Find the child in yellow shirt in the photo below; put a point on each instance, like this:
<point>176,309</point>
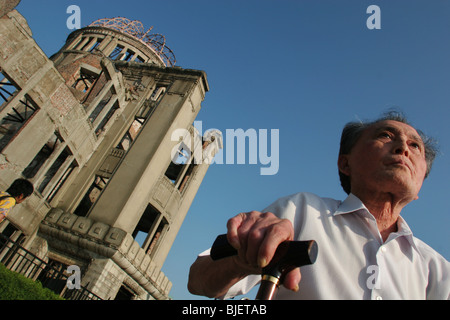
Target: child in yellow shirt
<point>19,190</point>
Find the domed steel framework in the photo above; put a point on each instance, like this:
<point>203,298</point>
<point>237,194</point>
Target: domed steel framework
<point>135,28</point>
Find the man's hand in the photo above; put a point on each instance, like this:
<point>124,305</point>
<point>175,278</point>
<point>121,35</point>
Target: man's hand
<point>256,236</point>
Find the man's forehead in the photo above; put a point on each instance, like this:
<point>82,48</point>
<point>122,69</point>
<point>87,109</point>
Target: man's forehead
<point>396,126</point>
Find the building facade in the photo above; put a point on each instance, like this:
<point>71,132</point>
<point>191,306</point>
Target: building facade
<point>104,131</point>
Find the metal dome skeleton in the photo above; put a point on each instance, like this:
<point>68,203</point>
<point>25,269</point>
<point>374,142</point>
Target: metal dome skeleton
<point>135,28</point>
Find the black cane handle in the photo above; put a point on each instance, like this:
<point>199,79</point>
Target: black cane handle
<point>288,256</point>
<point>295,253</point>
<point>222,248</point>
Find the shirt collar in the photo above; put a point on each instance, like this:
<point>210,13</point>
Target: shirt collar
<point>404,230</point>
<point>350,204</point>
<point>353,204</point>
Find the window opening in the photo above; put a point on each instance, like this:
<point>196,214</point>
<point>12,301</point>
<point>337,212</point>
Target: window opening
<point>18,116</point>
<point>105,120</point>
<point>157,237</point>
<point>130,135</point>
<point>129,54</point>
<point>87,41</point>
<point>52,165</point>
<point>124,293</point>
<point>186,177</point>
<point>91,196</point>
<point>66,174</point>
<point>181,168</point>
<point>139,59</point>
<point>96,45</point>
<point>7,89</point>
<point>76,44</point>
<point>116,52</point>
<point>85,80</point>
<point>57,164</point>
<point>158,93</point>
<point>150,229</point>
<point>99,108</point>
<point>9,230</point>
<point>43,155</point>
<point>22,112</point>
<point>177,164</point>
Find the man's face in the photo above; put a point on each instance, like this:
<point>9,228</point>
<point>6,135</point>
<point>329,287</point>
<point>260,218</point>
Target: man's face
<point>388,157</point>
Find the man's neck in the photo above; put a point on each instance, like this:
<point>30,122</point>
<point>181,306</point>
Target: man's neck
<point>386,209</point>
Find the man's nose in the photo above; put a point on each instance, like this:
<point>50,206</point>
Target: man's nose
<point>401,147</point>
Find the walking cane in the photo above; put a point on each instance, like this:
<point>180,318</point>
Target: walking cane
<point>288,256</point>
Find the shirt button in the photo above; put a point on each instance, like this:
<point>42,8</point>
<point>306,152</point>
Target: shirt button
<point>383,249</point>
<point>379,298</point>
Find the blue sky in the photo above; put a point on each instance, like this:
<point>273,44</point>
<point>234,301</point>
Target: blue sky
<point>305,68</point>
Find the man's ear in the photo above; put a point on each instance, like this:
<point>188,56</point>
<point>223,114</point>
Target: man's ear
<point>343,164</point>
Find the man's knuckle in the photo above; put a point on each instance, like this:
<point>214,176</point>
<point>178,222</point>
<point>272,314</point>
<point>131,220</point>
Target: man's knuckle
<point>268,214</point>
<point>283,227</point>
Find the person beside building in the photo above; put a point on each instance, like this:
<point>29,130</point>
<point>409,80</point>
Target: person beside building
<point>19,190</point>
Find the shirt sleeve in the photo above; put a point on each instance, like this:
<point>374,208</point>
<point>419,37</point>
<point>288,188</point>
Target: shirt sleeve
<point>6,205</point>
<point>242,287</point>
<point>239,288</point>
<point>438,276</point>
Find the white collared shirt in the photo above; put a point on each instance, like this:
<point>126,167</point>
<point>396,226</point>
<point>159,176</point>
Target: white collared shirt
<point>353,262</point>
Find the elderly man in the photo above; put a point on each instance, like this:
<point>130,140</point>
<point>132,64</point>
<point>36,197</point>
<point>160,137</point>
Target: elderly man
<point>366,249</point>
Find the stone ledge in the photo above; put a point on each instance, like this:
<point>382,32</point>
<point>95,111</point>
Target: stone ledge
<point>113,243</point>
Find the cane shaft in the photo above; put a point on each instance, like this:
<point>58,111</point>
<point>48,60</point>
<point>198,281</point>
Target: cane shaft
<point>268,288</point>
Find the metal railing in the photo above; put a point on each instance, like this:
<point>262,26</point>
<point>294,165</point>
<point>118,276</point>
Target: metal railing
<point>18,259</point>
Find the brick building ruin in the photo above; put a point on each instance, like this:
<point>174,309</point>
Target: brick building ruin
<point>91,127</point>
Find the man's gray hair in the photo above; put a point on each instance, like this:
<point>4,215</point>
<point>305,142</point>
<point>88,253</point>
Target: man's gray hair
<point>353,131</point>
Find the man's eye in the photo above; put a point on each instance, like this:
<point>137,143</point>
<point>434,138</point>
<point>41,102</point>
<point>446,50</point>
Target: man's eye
<point>415,145</point>
<point>385,135</point>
